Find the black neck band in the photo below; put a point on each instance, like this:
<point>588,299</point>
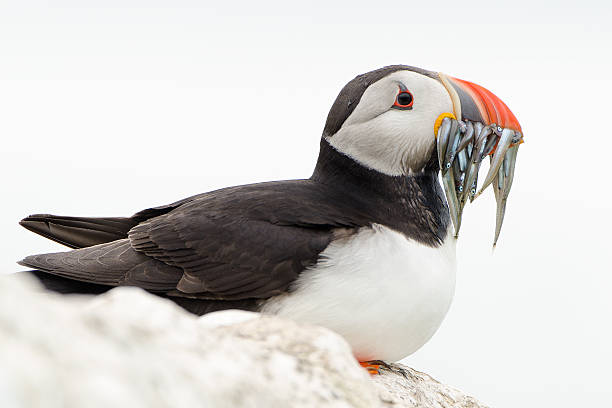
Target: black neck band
<point>413,205</point>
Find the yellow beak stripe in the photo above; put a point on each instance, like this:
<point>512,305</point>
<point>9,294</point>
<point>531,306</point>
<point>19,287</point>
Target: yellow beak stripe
<point>439,122</point>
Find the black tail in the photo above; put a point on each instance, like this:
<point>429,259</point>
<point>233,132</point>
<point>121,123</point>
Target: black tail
<point>79,232</point>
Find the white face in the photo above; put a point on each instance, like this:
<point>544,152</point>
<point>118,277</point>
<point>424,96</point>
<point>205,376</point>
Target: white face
<point>391,140</point>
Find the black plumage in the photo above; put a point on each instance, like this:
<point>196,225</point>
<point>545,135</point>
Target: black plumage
<point>78,232</point>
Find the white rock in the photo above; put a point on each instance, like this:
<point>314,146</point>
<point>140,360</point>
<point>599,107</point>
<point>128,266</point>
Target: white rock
<point>127,348</point>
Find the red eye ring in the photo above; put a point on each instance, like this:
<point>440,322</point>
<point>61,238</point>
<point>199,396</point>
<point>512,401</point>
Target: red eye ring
<point>403,100</point>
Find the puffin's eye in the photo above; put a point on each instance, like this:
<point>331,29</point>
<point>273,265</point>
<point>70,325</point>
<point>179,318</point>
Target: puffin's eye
<point>403,100</point>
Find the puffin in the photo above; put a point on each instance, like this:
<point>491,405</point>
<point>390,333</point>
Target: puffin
<point>364,247</point>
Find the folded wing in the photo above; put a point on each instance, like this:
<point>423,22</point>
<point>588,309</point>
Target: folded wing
<point>236,243</point>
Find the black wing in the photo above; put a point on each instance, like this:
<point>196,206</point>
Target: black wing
<point>237,243</point>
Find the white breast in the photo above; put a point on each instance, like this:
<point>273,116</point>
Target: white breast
<point>385,294</point>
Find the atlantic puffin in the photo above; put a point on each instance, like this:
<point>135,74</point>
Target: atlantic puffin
<point>364,247</point>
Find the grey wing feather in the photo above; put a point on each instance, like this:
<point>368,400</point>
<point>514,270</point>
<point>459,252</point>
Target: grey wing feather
<point>112,264</point>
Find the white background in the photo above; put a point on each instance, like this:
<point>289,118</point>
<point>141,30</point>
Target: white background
<point>109,107</point>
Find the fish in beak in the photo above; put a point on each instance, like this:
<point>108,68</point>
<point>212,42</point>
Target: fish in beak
<point>480,125</point>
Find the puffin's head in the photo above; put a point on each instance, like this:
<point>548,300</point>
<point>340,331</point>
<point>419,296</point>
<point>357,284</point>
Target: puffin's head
<point>393,119</point>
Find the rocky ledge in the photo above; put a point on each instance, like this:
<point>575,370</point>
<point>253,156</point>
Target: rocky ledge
<point>127,348</point>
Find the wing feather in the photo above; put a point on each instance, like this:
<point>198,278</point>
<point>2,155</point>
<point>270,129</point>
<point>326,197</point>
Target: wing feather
<point>244,242</point>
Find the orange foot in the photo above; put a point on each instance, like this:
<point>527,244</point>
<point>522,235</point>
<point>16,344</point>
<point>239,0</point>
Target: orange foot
<point>373,367</point>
